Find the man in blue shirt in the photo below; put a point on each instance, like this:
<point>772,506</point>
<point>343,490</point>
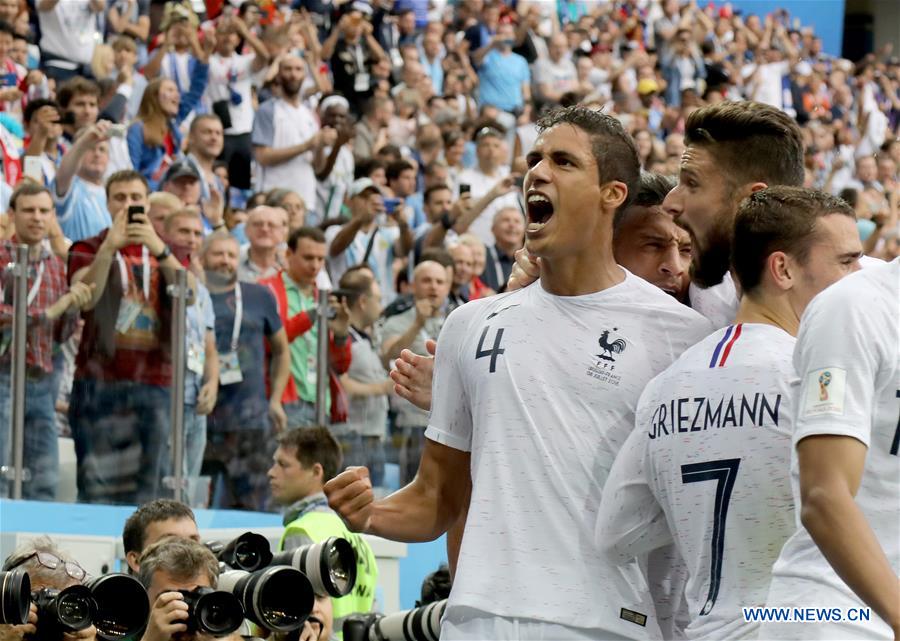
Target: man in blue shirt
<point>78,186</point>
<point>505,77</point>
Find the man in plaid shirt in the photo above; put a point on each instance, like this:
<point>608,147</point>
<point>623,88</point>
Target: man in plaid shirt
<point>52,318</point>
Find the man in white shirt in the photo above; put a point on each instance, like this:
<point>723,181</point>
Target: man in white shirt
<point>492,153</point>
<point>229,93</point>
<point>286,134</point>
<point>68,36</point>
<point>845,468</point>
<point>707,465</point>
<point>535,424</point>
<point>556,75</point>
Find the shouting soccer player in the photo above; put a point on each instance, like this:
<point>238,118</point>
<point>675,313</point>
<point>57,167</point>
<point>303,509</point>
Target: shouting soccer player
<point>537,390</point>
<point>707,465</point>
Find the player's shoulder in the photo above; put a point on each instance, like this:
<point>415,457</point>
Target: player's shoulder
<point>482,309</point>
<point>863,295</point>
<point>663,309</point>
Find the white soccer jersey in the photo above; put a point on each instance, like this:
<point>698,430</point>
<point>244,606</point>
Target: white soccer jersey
<point>541,389</point>
<point>718,303</point>
<point>707,466</point>
<point>847,357</point>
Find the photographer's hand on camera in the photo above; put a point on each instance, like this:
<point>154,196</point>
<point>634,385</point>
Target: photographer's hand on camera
<point>88,634</point>
<point>17,632</point>
<point>168,616</point>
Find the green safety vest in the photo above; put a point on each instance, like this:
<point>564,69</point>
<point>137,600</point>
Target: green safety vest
<point>318,526</point>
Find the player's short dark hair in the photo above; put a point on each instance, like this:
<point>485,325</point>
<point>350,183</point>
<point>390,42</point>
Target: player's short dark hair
<point>5,27</point>
<point>134,534</point>
<point>436,586</point>
<point>312,233</point>
<point>750,141</point>
<point>613,149</point>
<point>779,218</point>
<point>314,445</point>
<point>124,176</point>
<point>396,168</point>
<point>651,192</point>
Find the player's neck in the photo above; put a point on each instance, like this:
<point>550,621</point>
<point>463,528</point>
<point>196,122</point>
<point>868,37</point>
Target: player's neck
<point>768,310</point>
<point>580,274</point>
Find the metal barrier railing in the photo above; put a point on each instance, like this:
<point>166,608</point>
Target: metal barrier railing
<point>17,473</point>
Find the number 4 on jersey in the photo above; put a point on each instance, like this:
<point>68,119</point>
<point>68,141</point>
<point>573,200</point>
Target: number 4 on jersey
<point>724,473</point>
<point>494,352</point>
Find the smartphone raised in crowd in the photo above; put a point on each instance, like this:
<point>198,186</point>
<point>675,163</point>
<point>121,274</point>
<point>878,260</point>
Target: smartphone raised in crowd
<point>391,205</point>
<point>464,189</point>
<point>133,210</point>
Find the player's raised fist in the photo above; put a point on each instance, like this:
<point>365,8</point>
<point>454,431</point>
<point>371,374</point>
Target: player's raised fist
<point>350,495</point>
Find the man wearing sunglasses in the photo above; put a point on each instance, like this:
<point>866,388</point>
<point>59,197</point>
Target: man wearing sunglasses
<point>47,567</point>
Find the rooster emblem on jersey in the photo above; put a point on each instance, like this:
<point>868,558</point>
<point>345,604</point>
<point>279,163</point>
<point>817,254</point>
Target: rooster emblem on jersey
<point>615,347</point>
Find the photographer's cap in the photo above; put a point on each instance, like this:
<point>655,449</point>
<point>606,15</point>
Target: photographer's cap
<point>361,185</point>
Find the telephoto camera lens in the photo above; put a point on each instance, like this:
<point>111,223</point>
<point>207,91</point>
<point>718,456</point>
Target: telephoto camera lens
<point>419,624</point>
<point>211,611</point>
<point>278,598</point>
<point>61,611</point>
<point>329,565</point>
<point>15,597</point>
<point>249,552</point>
<point>123,606</point>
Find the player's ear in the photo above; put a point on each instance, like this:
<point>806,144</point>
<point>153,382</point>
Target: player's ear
<point>781,270</point>
<point>613,194</point>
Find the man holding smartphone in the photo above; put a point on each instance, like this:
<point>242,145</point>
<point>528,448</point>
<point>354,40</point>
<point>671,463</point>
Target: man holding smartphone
<point>365,239</point>
<point>123,369</point>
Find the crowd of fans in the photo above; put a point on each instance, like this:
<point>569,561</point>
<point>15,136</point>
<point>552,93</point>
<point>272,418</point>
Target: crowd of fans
<point>274,148</point>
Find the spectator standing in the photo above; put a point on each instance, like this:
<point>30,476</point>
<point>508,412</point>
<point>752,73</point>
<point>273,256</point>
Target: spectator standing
<point>371,130</point>
<point>78,188</point>
<point>68,36</point>
<point>362,240</point>
<point>353,51</point>
<point>229,93</point>
<point>366,382</point>
<point>410,330</point>
<point>154,138</point>
<point>206,140</point>
<point>129,18</point>
<point>52,317</point>
<point>555,75</point>
<point>492,154</point>
<point>266,230</point>
<point>509,235</point>
<point>296,294</point>
<point>184,232</point>
<point>286,135</point>
<point>241,425</point>
<point>682,66</point>
<point>463,272</point>
<point>120,393</point>
<point>44,137</point>
<point>334,163</point>
<point>505,80</point>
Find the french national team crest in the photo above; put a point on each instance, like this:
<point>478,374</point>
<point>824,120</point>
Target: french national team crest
<point>610,346</point>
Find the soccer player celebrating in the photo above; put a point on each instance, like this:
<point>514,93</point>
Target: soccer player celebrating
<point>707,464</point>
<point>537,390</point>
<point>846,463</point>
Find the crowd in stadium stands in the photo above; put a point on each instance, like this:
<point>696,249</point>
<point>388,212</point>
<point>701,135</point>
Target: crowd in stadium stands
<point>273,148</point>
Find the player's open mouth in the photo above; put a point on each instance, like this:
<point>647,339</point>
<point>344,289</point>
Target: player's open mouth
<point>540,211</point>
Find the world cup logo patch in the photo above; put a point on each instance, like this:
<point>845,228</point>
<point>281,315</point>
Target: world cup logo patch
<point>824,382</point>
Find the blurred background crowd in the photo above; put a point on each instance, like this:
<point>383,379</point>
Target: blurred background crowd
<point>277,147</point>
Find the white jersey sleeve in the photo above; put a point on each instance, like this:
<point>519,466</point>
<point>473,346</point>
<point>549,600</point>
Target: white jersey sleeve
<point>451,413</point>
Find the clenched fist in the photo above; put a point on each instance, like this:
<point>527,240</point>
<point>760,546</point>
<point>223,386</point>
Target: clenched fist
<point>350,495</point>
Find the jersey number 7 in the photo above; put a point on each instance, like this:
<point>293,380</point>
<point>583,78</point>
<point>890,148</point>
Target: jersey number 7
<point>724,473</point>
